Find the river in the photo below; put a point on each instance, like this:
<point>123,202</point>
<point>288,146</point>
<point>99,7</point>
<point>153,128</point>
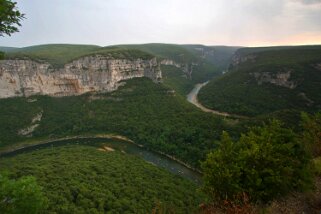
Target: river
<point>192,98</point>
<point>128,147</point>
<point>121,146</point>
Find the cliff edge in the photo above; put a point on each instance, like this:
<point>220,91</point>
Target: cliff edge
<point>26,77</point>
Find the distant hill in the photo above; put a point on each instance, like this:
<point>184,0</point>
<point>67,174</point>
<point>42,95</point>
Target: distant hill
<point>60,54</point>
<point>219,55</point>
<point>199,63</point>
<point>268,80</point>
<point>7,49</point>
<point>166,51</point>
<point>178,53</point>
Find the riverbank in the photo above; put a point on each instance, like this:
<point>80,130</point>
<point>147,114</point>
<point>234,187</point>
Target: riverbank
<point>33,143</point>
<point>192,98</point>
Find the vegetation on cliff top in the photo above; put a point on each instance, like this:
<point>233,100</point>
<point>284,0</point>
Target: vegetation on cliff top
<point>60,54</point>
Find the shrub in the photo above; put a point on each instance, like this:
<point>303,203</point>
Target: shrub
<point>20,196</point>
<point>311,134</point>
<point>1,55</point>
<point>265,163</point>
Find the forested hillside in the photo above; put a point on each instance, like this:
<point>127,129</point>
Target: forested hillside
<point>268,80</point>
<point>148,113</point>
<point>82,179</point>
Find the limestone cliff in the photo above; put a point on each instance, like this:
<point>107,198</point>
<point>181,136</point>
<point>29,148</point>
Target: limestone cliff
<point>281,78</point>
<point>91,73</point>
<point>238,59</point>
<point>187,68</point>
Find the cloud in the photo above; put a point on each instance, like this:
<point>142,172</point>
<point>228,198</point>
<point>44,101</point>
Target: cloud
<point>309,1</point>
<point>233,22</point>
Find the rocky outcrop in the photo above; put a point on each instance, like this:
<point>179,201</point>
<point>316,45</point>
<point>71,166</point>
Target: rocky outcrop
<point>318,66</point>
<point>239,59</point>
<point>170,62</point>
<point>87,74</point>
<point>34,124</point>
<point>204,52</point>
<point>281,78</point>
<point>187,68</point>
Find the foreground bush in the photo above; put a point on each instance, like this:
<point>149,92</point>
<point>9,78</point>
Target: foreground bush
<point>20,196</point>
<point>311,135</point>
<point>265,163</point>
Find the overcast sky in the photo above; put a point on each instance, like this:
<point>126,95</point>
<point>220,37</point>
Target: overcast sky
<point>210,22</point>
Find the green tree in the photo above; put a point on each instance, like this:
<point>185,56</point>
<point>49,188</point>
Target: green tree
<point>266,162</point>
<point>220,170</point>
<point>311,134</point>
<point>20,196</point>
<point>10,17</point>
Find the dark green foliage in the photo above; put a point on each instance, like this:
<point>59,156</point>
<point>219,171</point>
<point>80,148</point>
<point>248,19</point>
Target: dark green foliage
<point>264,163</point>
<point>1,55</point>
<point>311,135</point>
<point>20,196</point>
<point>221,171</point>
<point>238,91</point>
<point>18,114</point>
<point>81,179</point>
<point>10,17</point>
<point>204,71</point>
<point>146,112</point>
<point>176,79</point>
<point>317,166</point>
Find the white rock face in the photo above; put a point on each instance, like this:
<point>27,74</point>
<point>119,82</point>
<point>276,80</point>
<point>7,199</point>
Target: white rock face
<point>170,62</point>
<point>186,68</point>
<point>239,59</point>
<point>318,66</point>
<point>279,78</point>
<point>91,73</point>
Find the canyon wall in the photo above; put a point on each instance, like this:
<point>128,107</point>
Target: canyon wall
<point>88,74</point>
<point>187,68</point>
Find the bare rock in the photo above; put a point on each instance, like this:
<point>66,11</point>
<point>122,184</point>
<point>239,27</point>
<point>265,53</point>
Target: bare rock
<point>281,78</point>
<point>91,73</point>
